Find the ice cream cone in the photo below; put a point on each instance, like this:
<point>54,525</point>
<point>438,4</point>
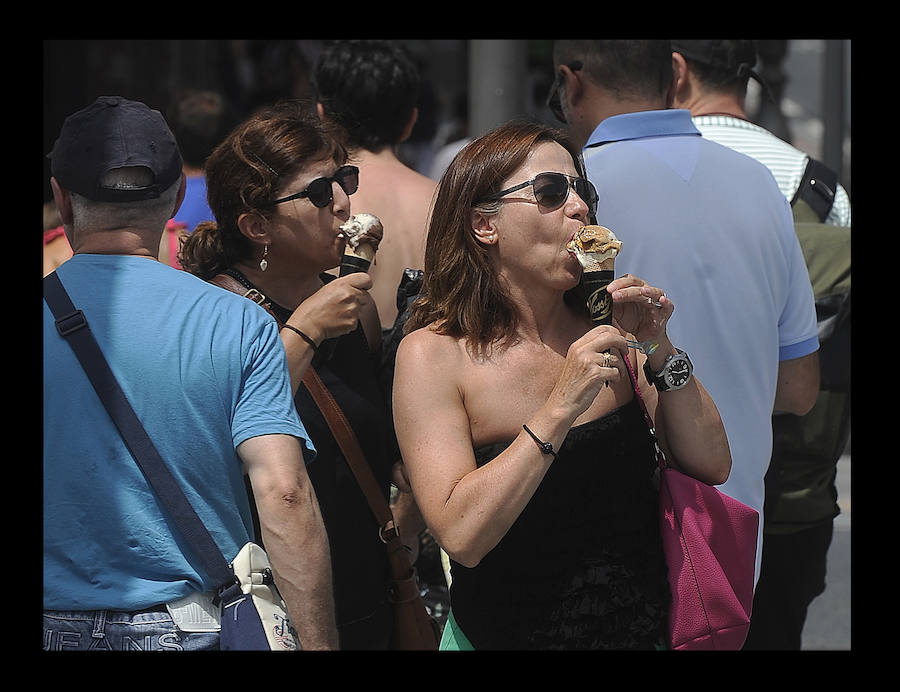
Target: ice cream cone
<point>357,259</point>
<point>596,248</point>
<point>599,300</point>
<point>363,232</point>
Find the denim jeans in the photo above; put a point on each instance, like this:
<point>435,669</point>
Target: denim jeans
<point>107,630</point>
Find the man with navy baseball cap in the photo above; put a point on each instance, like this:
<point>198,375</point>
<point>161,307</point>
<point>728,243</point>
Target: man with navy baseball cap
<point>111,133</point>
<point>205,372</point>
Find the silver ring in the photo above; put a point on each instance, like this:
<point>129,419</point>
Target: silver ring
<point>606,357</point>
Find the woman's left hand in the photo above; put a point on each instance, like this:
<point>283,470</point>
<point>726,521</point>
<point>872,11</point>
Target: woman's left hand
<point>634,309</point>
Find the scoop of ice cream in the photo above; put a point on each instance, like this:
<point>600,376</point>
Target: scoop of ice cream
<point>362,227</point>
<point>593,245</point>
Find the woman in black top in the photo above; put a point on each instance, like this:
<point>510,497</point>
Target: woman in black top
<point>280,188</point>
<point>534,476</point>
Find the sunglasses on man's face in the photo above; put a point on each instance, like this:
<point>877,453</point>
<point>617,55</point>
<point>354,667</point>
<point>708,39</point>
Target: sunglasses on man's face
<point>551,190</point>
<point>319,191</point>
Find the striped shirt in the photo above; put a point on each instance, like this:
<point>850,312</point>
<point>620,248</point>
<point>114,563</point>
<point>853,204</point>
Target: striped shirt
<point>786,162</point>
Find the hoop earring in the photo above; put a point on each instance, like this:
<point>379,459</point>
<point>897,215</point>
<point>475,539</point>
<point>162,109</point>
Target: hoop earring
<point>263,263</point>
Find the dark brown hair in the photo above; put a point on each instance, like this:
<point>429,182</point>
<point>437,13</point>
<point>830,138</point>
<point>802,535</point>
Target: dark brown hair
<point>628,68</point>
<point>244,173</point>
<point>462,294</point>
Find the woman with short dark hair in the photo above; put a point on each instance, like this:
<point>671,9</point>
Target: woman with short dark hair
<point>280,187</point>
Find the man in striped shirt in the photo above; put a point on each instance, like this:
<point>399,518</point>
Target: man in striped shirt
<point>711,82</point>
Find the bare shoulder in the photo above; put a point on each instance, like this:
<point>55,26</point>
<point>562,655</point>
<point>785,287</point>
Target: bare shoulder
<point>424,346</point>
<point>428,361</point>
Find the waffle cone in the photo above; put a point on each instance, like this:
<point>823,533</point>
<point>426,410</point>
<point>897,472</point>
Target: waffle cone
<point>357,259</point>
<point>363,251</point>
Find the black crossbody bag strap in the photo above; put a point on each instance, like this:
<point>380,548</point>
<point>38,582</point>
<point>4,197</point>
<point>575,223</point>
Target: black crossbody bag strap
<point>73,327</point>
<point>817,188</point>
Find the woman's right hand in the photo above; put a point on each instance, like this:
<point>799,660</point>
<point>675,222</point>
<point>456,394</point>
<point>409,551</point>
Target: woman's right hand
<point>333,310</point>
<point>591,361</point>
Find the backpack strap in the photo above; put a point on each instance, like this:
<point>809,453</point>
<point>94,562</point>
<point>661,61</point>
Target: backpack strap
<point>817,188</point>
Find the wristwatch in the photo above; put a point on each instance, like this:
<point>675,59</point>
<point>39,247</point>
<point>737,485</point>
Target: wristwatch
<point>676,372</point>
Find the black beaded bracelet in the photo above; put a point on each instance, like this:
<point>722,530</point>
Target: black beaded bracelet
<point>546,447</point>
<point>303,336</point>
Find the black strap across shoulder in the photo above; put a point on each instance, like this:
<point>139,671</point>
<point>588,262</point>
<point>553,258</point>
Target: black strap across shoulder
<point>817,188</point>
<point>73,327</point>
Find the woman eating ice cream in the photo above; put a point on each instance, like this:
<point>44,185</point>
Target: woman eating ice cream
<point>534,477</point>
<point>280,189</point>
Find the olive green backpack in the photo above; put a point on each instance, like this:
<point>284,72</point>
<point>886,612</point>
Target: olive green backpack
<point>800,488</point>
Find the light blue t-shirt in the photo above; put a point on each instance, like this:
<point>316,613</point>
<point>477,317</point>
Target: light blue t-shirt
<point>711,228</point>
<point>204,370</point>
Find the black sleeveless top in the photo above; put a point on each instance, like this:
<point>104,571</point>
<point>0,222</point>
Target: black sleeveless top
<point>360,569</point>
<point>582,567</point>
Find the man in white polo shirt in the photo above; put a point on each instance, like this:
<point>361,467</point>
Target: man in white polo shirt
<point>710,227</point>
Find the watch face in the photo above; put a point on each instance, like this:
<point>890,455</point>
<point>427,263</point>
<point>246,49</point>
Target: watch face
<point>678,372</point>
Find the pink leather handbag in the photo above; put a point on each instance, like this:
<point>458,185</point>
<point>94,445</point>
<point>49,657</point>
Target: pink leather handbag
<point>709,540</point>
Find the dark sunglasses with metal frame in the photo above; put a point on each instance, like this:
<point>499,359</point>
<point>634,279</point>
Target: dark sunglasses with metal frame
<point>551,190</point>
<point>319,191</point>
<point>553,100</point>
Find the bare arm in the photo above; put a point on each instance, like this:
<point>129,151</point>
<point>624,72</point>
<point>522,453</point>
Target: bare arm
<point>470,508</point>
<point>798,384</point>
<point>687,421</point>
<point>294,535</point>
<point>688,426</point>
<point>333,310</point>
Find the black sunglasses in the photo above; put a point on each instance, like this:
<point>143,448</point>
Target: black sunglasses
<point>551,190</point>
<point>319,190</point>
<point>553,100</point>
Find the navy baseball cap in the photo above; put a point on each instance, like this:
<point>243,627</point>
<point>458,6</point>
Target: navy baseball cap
<point>114,132</point>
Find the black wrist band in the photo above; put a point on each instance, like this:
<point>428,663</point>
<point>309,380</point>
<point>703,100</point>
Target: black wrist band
<point>546,447</point>
<point>303,336</point>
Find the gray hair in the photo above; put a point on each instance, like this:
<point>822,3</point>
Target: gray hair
<point>149,213</point>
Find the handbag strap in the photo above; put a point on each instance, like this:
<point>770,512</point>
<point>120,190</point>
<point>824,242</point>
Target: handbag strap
<point>230,283</point>
<point>334,417</point>
<point>73,327</point>
<point>660,455</point>
<point>350,447</point>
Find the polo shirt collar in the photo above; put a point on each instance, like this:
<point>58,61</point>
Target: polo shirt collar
<point>659,123</point>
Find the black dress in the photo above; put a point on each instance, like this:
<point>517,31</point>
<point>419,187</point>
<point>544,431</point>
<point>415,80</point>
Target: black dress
<point>360,569</point>
<point>582,567</point>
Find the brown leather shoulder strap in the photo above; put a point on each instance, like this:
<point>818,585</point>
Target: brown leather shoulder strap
<point>229,283</point>
<point>349,445</point>
<point>334,416</point>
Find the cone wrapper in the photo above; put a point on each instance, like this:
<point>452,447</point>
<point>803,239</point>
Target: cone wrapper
<point>599,300</point>
<point>357,259</point>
